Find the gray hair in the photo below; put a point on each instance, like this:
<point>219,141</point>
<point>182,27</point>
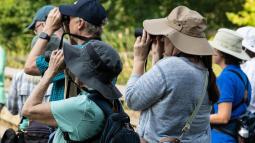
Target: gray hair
<point>94,30</point>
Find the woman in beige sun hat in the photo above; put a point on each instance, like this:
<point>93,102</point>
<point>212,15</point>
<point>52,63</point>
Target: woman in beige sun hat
<point>233,84</point>
<point>168,93</point>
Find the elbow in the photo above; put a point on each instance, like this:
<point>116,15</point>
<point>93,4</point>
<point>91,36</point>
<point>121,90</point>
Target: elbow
<point>31,70</point>
<point>220,119</point>
<point>132,104</point>
<point>225,120</point>
<point>28,69</point>
<point>26,112</point>
<point>133,98</point>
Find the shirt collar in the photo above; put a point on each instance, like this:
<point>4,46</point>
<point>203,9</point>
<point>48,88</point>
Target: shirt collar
<point>232,67</point>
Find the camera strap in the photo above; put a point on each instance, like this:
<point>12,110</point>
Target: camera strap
<point>188,123</point>
<point>71,89</point>
<point>76,36</point>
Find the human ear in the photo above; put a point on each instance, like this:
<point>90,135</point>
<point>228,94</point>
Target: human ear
<point>82,24</point>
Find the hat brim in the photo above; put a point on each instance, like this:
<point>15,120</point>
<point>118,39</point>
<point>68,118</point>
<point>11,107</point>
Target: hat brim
<point>74,61</point>
<point>242,55</point>
<point>248,46</point>
<point>185,43</point>
<point>31,26</point>
<point>67,10</point>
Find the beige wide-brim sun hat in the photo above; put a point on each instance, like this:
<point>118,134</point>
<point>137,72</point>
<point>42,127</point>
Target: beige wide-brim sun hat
<point>184,28</point>
<point>229,42</point>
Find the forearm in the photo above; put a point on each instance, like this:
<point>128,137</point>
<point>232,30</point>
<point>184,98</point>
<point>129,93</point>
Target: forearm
<point>143,91</point>
<point>223,115</point>
<point>138,67</point>
<point>155,59</point>
<point>34,109</point>
<point>217,119</point>
<point>37,50</point>
<point>38,93</point>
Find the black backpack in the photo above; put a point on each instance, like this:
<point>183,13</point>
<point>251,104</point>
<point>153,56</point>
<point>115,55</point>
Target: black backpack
<point>35,133</point>
<point>246,123</point>
<point>117,127</point>
<point>9,136</point>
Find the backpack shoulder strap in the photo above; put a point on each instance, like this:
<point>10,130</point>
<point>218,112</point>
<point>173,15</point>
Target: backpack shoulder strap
<point>246,84</point>
<point>105,105</point>
<point>241,78</point>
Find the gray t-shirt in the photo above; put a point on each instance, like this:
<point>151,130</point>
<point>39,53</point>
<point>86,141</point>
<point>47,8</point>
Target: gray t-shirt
<point>166,95</point>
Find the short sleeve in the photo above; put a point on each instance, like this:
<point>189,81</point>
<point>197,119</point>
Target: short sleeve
<point>41,64</point>
<point>78,116</point>
<point>226,87</point>
<point>58,77</point>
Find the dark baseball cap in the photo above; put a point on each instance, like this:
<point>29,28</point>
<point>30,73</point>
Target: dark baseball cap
<point>95,65</point>
<point>89,10</point>
<point>41,15</point>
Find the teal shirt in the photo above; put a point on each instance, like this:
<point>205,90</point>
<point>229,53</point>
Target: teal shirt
<point>79,116</point>
<point>2,65</point>
<point>57,92</point>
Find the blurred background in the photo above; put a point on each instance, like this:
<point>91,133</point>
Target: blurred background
<point>124,17</point>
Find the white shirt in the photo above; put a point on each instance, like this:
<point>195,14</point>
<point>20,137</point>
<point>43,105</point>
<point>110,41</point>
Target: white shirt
<point>22,86</point>
<point>249,69</point>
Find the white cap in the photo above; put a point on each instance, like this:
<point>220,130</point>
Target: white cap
<point>248,34</point>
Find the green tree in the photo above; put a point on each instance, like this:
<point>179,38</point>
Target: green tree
<point>245,16</point>
<point>123,17</point>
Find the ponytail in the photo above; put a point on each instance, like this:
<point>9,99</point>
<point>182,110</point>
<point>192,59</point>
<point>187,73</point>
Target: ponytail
<point>213,91</point>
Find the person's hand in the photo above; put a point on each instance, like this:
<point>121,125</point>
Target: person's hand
<point>53,22</point>
<point>157,49</point>
<point>142,47</point>
<point>56,63</point>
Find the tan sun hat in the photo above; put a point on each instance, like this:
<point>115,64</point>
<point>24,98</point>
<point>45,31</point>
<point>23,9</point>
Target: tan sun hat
<point>185,29</point>
<point>229,42</point>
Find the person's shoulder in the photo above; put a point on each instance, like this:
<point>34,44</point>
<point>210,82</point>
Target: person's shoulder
<point>80,101</point>
<point>170,61</point>
<point>173,64</point>
<point>230,75</point>
<point>18,75</point>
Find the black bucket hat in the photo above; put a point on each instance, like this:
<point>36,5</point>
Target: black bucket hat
<point>96,65</point>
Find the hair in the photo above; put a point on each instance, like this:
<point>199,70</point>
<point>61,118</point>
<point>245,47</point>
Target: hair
<point>230,60</point>
<point>249,52</point>
<point>94,30</point>
<point>212,89</point>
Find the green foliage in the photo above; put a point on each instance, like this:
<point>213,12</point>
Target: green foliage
<point>124,16</point>
<point>246,16</point>
<point>131,13</point>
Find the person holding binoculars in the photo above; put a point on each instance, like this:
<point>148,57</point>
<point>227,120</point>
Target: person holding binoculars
<point>79,117</point>
<point>84,19</point>
<point>176,94</point>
